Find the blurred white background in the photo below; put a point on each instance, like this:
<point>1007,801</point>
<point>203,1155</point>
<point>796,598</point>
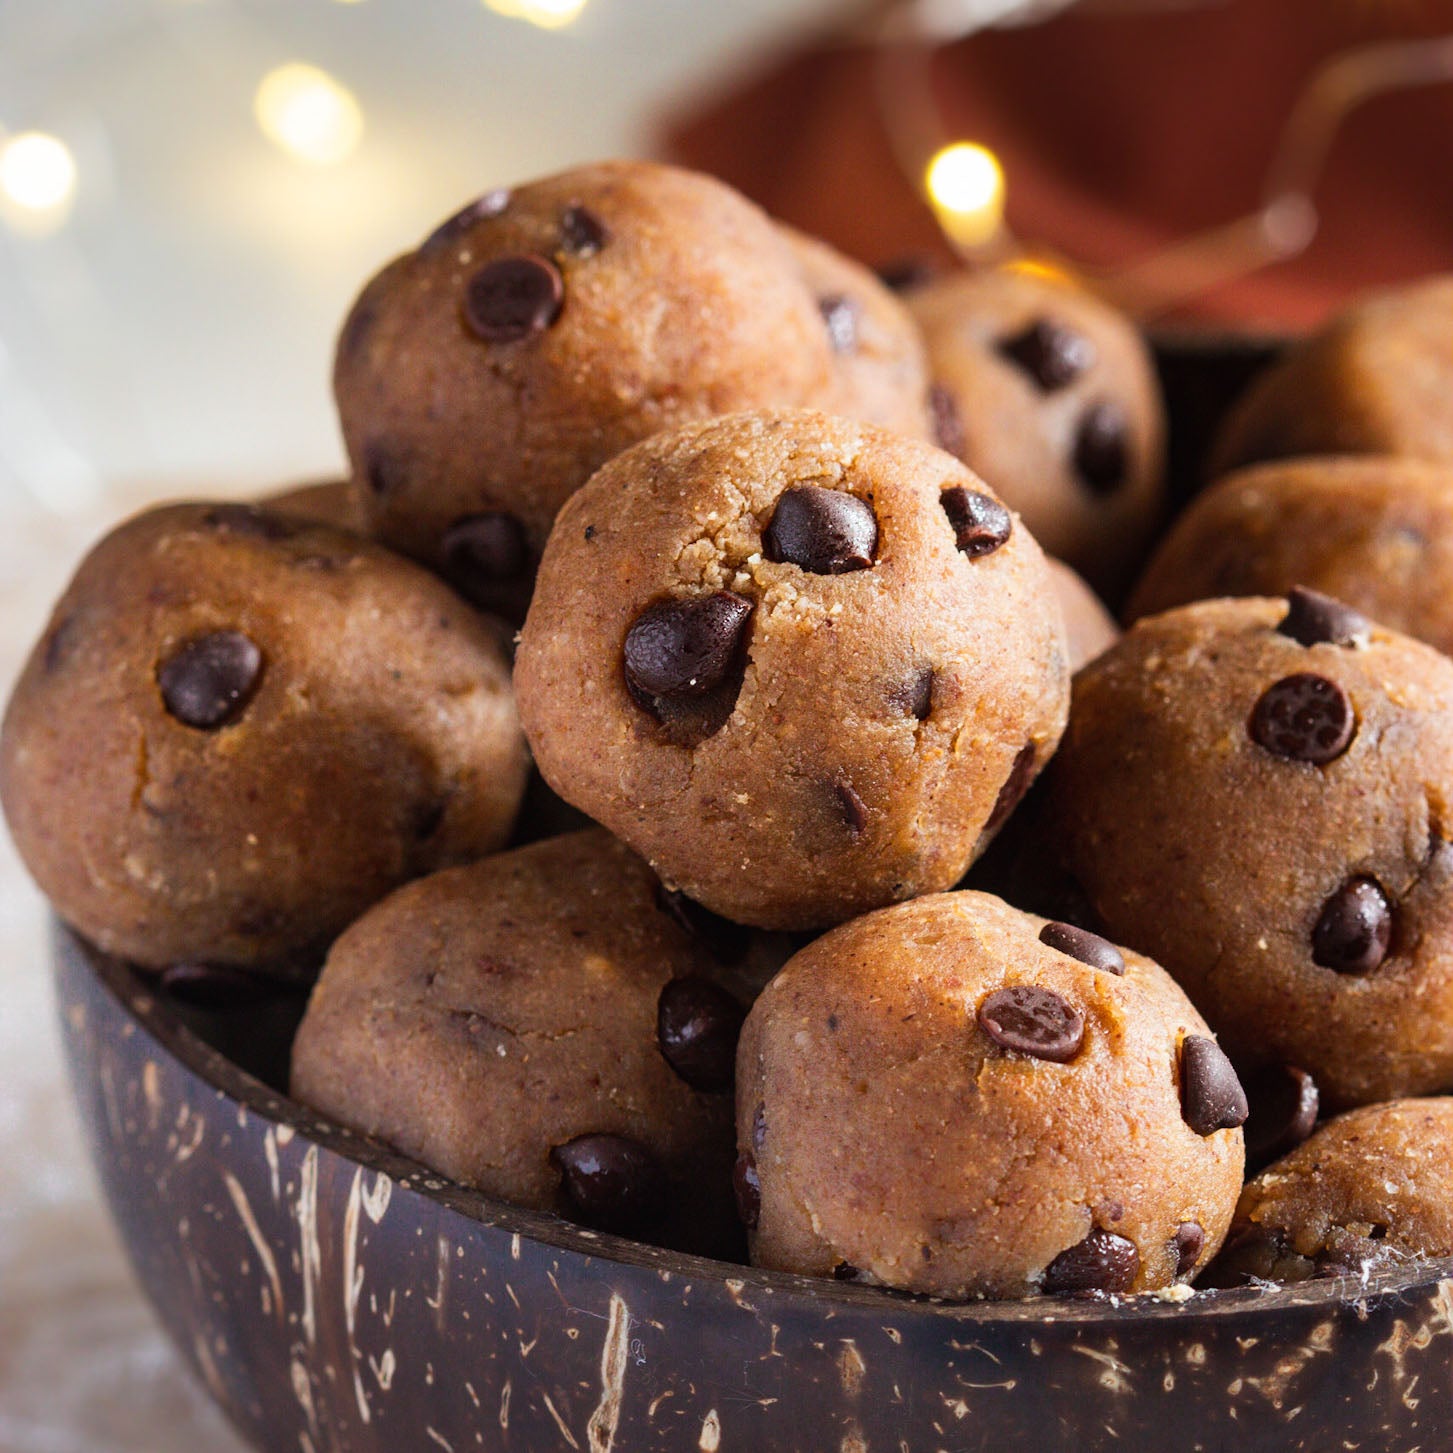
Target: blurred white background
<point>177,250</point>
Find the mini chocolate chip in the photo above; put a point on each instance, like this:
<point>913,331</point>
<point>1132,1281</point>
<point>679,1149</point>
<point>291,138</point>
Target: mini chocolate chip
<point>841,316</point>
<point>853,809</point>
<point>822,531</point>
<point>512,297</point>
<point>483,552</point>
<point>1016,784</point>
<point>1211,1096</point>
<point>1033,1021</point>
<point>1052,354</point>
<point>612,1182</point>
<point>1354,929</point>
<point>759,1129</point>
<point>1102,452</point>
<point>724,940</point>
<point>58,643</point>
<point>381,470</point>
<point>903,274</point>
<point>980,523</point>
<point>1305,717</point>
<point>914,696</point>
<point>845,1271</point>
<point>948,424</point>
<point>1314,619</point>
<point>217,986</point>
<point>491,204</point>
<point>748,1188</point>
<point>590,532</point>
<point>686,646</point>
<point>1088,948</point>
<point>1187,1244</point>
<point>1102,1262</point>
<point>1284,1104</point>
<point>697,1026</point>
<point>582,232</point>
<point>209,681</point>
<point>249,520</point>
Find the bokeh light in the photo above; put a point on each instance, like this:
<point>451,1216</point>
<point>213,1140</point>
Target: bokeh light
<point>308,114</point>
<point>965,184</point>
<point>547,14</point>
<point>37,172</point>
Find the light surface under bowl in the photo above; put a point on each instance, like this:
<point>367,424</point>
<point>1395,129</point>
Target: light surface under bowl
<point>335,1296</point>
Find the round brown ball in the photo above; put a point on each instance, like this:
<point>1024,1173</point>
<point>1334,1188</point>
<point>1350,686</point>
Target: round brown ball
<point>839,741</point>
<point>1089,627</point>
<point>239,731</point>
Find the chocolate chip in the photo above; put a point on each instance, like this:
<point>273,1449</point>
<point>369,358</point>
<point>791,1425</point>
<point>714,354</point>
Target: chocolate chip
<point>612,1182</point>
<point>980,523</point>
<point>1314,619</point>
<point>903,274</point>
<point>748,1189</point>
<point>759,1129</point>
<point>1102,452</point>
<point>914,696</point>
<point>948,424</point>
<point>491,204</point>
<point>483,553</point>
<point>1016,784</point>
<point>846,1271</point>
<point>1033,1021</point>
<point>1211,1096</point>
<point>725,941</point>
<point>697,1025</point>
<point>1187,1244</point>
<point>841,316</point>
<point>381,470</point>
<point>1354,929</point>
<point>1088,948</point>
<point>852,809</point>
<point>1102,1262</point>
<point>822,531</point>
<point>58,643</point>
<point>582,232</point>
<point>512,297</point>
<point>428,817</point>
<point>217,986</point>
<point>249,520</point>
<point>1052,354</point>
<point>1284,1104</point>
<point>209,681</point>
<point>1304,717</point>
<point>686,646</point>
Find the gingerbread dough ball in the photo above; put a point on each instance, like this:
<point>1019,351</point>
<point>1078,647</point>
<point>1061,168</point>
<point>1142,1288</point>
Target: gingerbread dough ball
<point>1256,793</point>
<point>954,1097</point>
<point>1374,532</point>
<point>1051,396</point>
<point>802,665</point>
<point>1378,379</point>
<point>1089,627</point>
<point>239,731</point>
<point>554,1029</point>
<point>482,378</point>
<point>1370,1189</point>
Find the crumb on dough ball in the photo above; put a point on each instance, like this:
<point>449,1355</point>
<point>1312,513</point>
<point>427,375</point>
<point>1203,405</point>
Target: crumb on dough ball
<point>956,1098</point>
<point>805,667</point>
<point>240,730</point>
<point>557,1030</point>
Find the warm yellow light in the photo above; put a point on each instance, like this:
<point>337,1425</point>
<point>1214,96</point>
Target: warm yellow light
<point>308,114</point>
<point>37,172</point>
<point>966,186</point>
<point>547,14</point>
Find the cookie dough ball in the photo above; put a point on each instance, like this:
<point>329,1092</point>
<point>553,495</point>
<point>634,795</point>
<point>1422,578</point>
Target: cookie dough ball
<point>1370,1189</point>
<point>1374,532</point>
<point>1256,793</point>
<point>1089,627</point>
<point>239,731</point>
<point>326,502</point>
<point>482,378</point>
<point>802,665</point>
<point>956,1098</point>
<point>881,364</point>
<point>1376,380</point>
<point>557,1031</point>
<point>1051,396</point>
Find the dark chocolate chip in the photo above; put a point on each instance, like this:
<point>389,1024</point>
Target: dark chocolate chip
<point>1016,784</point>
<point>1088,948</point>
<point>1033,1021</point>
<point>903,274</point>
<point>686,646</point>
<point>822,531</point>
<point>852,808</point>
<point>428,817</point>
<point>748,1188</point>
<point>914,696</point>
<point>1052,354</point>
<point>381,470</point>
<point>611,1182</point>
<point>582,232</point>
<point>1354,929</point>
<point>484,552</point>
<point>58,643</point>
<point>726,941</point>
<point>1102,1262</point>
<point>1102,450</point>
<point>948,424</point>
<point>249,520</point>
<point>846,1271</point>
<point>1284,1104</point>
<point>217,986</point>
<point>697,1026</point>
<point>1314,619</point>
<point>1187,1244</point>
<point>513,297</point>
<point>491,204</point>
<point>841,316</point>
<point>980,523</point>
<point>759,1129</point>
<point>209,681</point>
<point>1305,717</point>
<point>1211,1096</point>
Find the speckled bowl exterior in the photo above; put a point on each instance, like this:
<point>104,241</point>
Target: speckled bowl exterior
<point>336,1298</point>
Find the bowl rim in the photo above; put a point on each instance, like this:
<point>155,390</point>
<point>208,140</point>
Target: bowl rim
<point>144,1006</point>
